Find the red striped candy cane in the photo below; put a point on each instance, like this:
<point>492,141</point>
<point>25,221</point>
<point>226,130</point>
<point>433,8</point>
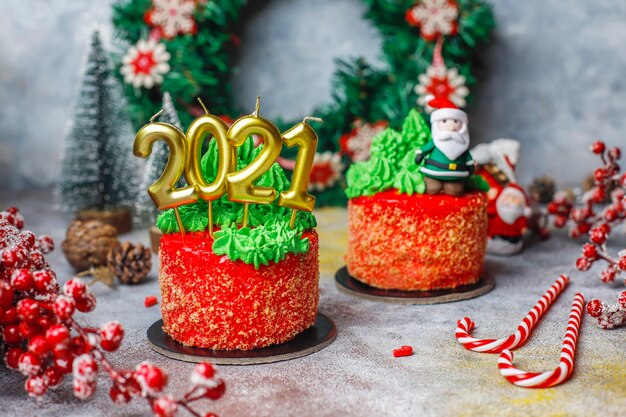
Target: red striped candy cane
<point>566,364</point>
<point>524,329</point>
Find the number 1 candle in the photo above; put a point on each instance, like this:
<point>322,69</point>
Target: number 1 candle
<point>296,197</point>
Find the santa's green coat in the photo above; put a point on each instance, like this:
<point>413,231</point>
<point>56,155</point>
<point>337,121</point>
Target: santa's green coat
<point>438,166</point>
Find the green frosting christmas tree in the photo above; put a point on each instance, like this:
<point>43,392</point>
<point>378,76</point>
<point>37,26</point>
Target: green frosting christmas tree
<point>98,168</point>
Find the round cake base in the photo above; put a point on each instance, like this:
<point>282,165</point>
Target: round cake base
<point>347,284</point>
<point>312,340</point>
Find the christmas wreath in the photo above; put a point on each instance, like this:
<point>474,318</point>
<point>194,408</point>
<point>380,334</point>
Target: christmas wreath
<point>186,48</point>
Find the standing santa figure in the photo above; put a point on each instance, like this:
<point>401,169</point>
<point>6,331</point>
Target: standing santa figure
<point>508,206</point>
<point>446,160</point>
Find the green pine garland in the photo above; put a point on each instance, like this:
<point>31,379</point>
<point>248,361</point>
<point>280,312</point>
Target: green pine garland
<point>202,64</point>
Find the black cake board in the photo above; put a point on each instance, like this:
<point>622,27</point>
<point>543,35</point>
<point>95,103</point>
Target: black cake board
<point>312,340</point>
<point>347,284</point>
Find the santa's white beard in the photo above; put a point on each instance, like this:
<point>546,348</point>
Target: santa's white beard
<point>451,144</point>
<point>509,213</point>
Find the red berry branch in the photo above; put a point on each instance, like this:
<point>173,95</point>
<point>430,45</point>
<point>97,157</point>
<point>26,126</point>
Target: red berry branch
<point>598,220</point>
<point>41,338</point>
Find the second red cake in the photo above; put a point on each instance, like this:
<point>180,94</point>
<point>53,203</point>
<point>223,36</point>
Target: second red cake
<point>418,242</point>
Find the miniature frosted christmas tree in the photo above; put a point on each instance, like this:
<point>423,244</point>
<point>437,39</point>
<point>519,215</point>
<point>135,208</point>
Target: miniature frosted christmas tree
<point>145,211</point>
<point>98,168</point>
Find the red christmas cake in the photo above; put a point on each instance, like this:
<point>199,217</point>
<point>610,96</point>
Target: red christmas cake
<point>245,287</point>
<point>417,216</point>
<point>417,242</point>
<point>213,302</point>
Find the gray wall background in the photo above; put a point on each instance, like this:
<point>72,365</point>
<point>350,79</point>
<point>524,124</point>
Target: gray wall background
<point>552,78</point>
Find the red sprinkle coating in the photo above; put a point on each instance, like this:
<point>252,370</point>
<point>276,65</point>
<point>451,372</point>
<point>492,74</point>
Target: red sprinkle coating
<point>209,301</point>
<point>418,242</point>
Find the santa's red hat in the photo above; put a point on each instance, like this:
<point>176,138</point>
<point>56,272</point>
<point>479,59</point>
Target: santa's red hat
<point>445,109</point>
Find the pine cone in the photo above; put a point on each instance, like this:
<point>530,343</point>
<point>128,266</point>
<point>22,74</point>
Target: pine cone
<point>544,188</point>
<point>130,263</point>
<point>87,243</point>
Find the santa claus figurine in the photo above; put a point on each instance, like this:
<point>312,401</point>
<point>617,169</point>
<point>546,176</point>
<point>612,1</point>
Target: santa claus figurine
<point>508,205</point>
<point>446,160</point>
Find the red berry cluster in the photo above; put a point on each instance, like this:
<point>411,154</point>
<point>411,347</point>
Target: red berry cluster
<point>40,338</point>
<point>609,316</point>
<point>597,223</point>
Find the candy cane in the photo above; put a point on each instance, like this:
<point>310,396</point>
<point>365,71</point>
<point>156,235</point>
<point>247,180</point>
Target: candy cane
<point>523,330</point>
<point>566,364</point>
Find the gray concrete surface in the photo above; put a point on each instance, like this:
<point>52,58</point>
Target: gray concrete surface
<point>553,76</point>
<point>357,376</point>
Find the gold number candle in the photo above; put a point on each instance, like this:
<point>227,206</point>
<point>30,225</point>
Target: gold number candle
<point>239,185</point>
<point>296,197</point>
<point>196,133</point>
<point>163,191</point>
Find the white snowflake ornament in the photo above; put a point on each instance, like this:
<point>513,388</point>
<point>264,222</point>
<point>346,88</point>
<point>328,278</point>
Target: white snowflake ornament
<point>327,169</point>
<point>357,143</point>
<point>441,82</point>
<point>145,64</point>
<point>434,18</point>
<point>172,17</point>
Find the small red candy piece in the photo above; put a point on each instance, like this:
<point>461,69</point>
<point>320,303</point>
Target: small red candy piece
<point>403,351</point>
<point>150,301</point>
